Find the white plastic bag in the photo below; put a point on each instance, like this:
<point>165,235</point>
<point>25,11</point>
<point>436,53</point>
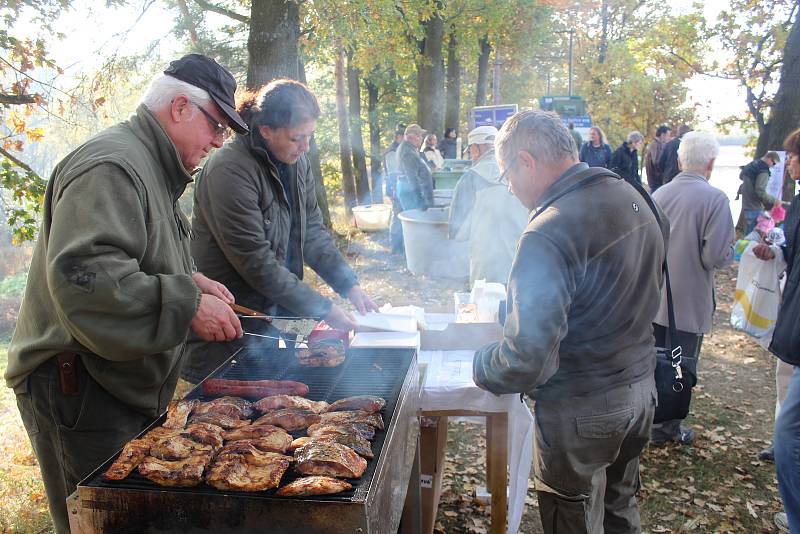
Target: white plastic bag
<point>758,295</point>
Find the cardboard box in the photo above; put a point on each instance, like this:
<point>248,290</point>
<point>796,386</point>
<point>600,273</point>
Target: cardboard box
<point>432,444</point>
<point>461,336</point>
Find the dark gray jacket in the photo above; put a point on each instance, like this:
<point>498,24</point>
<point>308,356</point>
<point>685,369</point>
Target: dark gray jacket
<point>242,222</point>
<point>416,172</point>
<point>583,291</point>
<point>786,338</point>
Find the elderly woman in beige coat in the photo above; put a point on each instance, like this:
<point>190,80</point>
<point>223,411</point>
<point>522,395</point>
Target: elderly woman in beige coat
<point>700,242</point>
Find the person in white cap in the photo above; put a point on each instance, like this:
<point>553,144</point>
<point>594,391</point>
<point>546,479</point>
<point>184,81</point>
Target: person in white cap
<point>485,213</point>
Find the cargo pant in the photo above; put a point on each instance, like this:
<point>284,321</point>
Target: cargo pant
<point>72,435</point>
<point>586,459</point>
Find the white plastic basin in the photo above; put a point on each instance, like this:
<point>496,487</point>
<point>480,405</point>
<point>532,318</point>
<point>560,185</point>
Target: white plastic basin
<point>372,218</point>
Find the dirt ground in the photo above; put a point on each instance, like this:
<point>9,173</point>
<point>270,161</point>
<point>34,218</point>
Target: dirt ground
<point>715,485</point>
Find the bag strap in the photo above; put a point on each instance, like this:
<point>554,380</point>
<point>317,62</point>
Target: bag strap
<point>594,173</point>
<point>672,331</point>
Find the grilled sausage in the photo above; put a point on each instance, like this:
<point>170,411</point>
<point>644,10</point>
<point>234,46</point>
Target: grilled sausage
<point>253,389</point>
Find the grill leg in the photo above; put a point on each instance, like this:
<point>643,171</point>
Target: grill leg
<point>411,520</point>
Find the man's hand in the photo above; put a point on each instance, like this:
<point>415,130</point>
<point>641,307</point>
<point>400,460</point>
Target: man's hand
<point>360,300</point>
<point>215,320</point>
<point>763,252</point>
<point>212,287</point>
<point>340,318</point>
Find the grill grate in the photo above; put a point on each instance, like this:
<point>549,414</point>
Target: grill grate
<point>379,372</point>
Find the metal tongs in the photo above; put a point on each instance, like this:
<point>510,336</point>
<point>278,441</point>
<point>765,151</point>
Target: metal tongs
<point>243,312</point>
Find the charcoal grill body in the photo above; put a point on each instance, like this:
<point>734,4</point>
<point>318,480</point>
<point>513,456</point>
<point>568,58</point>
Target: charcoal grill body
<point>374,505</point>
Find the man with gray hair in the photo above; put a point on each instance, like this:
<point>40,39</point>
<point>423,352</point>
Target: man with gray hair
<point>112,293</point>
<point>700,242</point>
<point>484,213</point>
<point>583,290</point>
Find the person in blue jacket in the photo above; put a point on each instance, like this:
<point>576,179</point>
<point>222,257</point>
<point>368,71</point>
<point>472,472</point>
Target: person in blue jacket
<point>596,152</point>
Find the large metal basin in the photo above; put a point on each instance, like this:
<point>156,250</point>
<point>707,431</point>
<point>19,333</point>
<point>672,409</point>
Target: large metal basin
<point>428,250</point>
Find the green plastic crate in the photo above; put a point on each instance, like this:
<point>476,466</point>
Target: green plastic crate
<point>446,179</point>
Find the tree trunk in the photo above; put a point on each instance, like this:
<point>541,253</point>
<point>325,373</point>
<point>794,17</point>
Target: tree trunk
<point>356,135</point>
<point>316,165</point>
<point>345,152</point>
<point>453,84</point>
<point>497,79</point>
<point>482,88</point>
<point>374,142</point>
<point>430,77</point>
<point>785,112</point>
<point>272,43</point>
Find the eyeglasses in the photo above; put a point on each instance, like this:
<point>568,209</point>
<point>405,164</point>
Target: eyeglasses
<point>503,178</point>
<point>217,126</point>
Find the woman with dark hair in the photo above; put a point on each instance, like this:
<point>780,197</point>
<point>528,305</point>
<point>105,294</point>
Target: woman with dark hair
<point>447,146</point>
<point>257,223</point>
<point>785,345</point>
<point>596,152</point>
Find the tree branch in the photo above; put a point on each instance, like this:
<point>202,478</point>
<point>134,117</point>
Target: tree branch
<point>208,6</point>
<point>189,22</point>
<point>16,100</point>
<point>18,163</point>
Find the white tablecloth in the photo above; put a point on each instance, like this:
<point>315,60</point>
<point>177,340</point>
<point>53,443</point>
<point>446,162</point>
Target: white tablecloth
<point>449,386</point>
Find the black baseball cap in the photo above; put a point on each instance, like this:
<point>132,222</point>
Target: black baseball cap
<point>205,73</point>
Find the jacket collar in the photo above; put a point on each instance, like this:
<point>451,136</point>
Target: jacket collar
<point>562,183</point>
<point>685,176</point>
<point>255,144</point>
<point>149,131</point>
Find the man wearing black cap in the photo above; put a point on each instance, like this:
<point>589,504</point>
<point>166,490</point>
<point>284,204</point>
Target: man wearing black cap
<point>112,293</point>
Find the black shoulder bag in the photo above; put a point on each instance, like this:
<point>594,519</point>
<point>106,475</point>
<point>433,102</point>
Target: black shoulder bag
<point>673,385</point>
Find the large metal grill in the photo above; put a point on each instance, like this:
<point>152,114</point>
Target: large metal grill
<point>374,504</point>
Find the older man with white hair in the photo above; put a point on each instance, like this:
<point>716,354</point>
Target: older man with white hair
<point>112,293</point>
<point>701,241</point>
<point>485,213</point>
<point>583,290</point>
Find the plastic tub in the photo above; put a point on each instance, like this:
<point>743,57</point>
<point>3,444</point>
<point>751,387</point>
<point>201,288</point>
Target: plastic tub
<point>372,218</point>
<point>428,250</point>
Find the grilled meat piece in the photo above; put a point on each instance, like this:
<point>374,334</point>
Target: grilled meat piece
<point>161,433</point>
<point>219,419</point>
<point>275,442</point>
<point>235,407</point>
<point>361,430</point>
<point>289,418</point>
<point>372,419</point>
<point>205,433</point>
<point>241,466</point>
<point>316,485</point>
<point>178,412</point>
<point>132,454</point>
<point>280,402</point>
<point>361,446</point>
<point>265,437</point>
<point>325,353</point>
<point>364,403</point>
<point>329,459</point>
<point>183,473</point>
<point>178,448</point>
